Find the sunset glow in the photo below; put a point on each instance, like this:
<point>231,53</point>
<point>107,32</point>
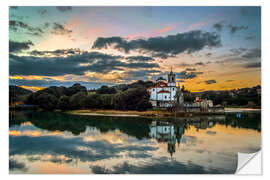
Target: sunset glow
<point>216,48</point>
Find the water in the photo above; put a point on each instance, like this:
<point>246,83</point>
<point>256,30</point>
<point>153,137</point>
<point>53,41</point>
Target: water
<point>44,142</point>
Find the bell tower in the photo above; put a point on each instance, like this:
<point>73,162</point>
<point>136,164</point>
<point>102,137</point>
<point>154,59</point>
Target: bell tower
<point>171,79</point>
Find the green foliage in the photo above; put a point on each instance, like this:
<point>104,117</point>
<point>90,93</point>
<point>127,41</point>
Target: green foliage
<point>245,97</point>
<point>93,101</point>
<point>77,101</point>
<point>188,97</point>
<point>132,99</point>
<point>47,101</point>
<point>17,94</point>
<point>63,103</point>
<point>106,90</point>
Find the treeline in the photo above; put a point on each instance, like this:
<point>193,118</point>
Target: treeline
<point>77,97</point>
<point>17,94</point>
<point>245,97</point>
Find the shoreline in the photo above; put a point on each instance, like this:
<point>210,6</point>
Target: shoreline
<point>242,110</point>
<point>154,113</point>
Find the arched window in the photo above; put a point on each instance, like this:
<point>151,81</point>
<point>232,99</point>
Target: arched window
<point>165,97</point>
<point>153,89</point>
<point>173,89</point>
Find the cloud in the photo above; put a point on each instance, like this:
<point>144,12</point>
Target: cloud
<point>142,74</point>
<point>64,8</point>
<point>252,53</point>
<point>210,81</point>
<point>42,12</point>
<point>91,83</point>
<point>189,42</point>
<point>240,54</point>
<point>253,65</point>
<point>184,64</point>
<point>235,28</point>
<point>17,47</point>
<point>59,29</point>
<point>14,25</point>
<point>219,25</point>
<point>139,58</point>
<point>77,64</point>
<point>211,132</point>
<point>187,74</point>
<point>57,53</point>
<point>68,147</point>
<point>251,37</point>
<point>190,69</point>
<point>199,64</point>
<point>15,165</point>
<point>157,166</point>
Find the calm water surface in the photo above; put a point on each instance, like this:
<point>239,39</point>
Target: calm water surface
<point>44,142</point>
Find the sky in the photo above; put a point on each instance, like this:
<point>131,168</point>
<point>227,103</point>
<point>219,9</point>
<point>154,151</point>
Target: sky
<point>208,48</point>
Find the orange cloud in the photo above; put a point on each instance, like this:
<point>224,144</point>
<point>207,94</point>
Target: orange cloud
<point>32,88</point>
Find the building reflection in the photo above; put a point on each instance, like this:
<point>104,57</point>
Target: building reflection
<point>165,132</point>
<point>172,132</point>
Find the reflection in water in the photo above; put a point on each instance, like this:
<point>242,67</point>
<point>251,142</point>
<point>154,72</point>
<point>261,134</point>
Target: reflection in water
<point>45,142</point>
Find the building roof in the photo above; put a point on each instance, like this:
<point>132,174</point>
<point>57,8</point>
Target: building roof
<point>162,84</point>
<point>164,91</point>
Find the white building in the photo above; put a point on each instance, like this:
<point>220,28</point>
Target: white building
<point>163,93</point>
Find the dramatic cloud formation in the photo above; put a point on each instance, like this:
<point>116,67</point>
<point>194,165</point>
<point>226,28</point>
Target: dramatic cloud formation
<point>74,64</point>
<point>189,42</point>
<point>212,81</point>
<point>16,47</point>
<point>59,29</point>
<point>64,8</point>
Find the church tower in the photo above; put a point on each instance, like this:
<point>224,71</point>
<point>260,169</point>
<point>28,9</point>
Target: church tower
<point>171,79</point>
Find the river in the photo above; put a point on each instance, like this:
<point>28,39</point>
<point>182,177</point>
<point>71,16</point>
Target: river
<point>58,143</point>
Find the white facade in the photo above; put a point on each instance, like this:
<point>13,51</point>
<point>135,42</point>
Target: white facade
<point>163,94</point>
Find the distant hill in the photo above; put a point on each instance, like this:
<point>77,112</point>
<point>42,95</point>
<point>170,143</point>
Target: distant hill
<point>18,90</point>
<point>250,97</point>
<point>16,93</point>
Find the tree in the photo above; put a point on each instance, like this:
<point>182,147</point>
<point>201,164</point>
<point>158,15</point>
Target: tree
<point>106,90</point>
<point>132,99</point>
<point>93,101</point>
<point>77,101</point>
<point>63,103</point>
<point>47,101</point>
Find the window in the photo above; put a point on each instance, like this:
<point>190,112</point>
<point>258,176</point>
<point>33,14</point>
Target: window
<point>153,89</point>
<point>165,97</point>
<point>173,89</point>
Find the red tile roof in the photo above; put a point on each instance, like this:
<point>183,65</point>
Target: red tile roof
<point>164,91</point>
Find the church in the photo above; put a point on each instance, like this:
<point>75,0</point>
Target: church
<point>164,92</point>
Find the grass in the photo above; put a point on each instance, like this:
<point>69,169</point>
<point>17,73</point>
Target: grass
<point>152,113</point>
